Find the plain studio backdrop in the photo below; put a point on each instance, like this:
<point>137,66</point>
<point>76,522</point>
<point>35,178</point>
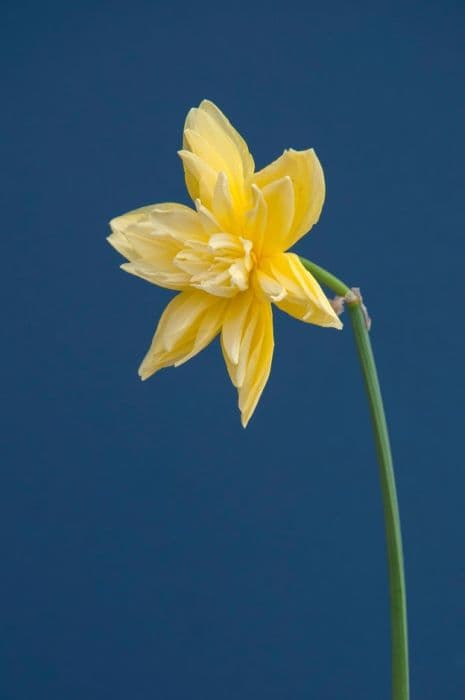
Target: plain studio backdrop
<point>151,547</point>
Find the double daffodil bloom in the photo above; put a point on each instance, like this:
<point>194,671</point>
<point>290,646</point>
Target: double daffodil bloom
<point>226,257</point>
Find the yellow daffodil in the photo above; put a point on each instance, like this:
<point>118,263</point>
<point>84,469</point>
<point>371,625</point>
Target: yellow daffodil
<point>226,257</point>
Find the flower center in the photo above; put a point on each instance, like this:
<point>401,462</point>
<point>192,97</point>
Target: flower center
<point>219,266</point>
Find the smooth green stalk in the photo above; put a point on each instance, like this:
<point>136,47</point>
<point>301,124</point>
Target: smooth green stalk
<point>326,278</point>
<point>399,636</point>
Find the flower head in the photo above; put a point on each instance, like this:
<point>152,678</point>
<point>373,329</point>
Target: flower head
<point>226,257</point>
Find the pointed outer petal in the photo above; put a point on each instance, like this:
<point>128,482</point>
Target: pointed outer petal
<point>188,324</point>
<point>209,135</point>
<point>119,226</point>
<point>151,237</point>
<point>120,244</point>
<point>154,223</point>
<point>151,259</point>
<point>294,290</point>
<point>256,220</point>
<point>248,165</point>
<point>198,144</point>
<point>233,325</point>
<point>200,177</point>
<point>223,207</point>
<point>306,173</point>
<point>279,198</point>
<point>178,221</point>
<point>247,343</point>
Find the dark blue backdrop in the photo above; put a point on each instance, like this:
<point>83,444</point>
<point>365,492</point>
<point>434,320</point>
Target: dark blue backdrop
<point>152,547</point>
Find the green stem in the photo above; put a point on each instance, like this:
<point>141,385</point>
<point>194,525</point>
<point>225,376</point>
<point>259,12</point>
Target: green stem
<point>399,636</point>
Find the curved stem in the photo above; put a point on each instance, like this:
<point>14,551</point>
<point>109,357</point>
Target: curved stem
<point>399,635</point>
<point>326,278</point>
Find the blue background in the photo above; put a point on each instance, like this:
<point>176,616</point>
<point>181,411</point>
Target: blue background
<point>153,548</point>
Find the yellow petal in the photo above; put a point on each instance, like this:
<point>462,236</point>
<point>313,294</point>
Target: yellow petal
<point>200,177</point>
<point>209,223</point>
<point>285,281</point>
<point>248,165</point>
<point>279,198</point>
<point>272,289</point>
<point>306,174</point>
<point>188,324</point>
<point>247,343</point>
<point>223,206</point>
<point>210,137</point>
<point>151,237</point>
<point>256,219</point>
<point>178,221</point>
<point>119,226</point>
<point>233,326</point>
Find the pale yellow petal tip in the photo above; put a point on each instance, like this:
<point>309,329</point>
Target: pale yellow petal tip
<point>119,223</point>
<point>303,151</point>
<point>245,418</point>
<point>207,103</point>
<point>147,370</point>
<point>248,413</point>
<point>112,223</point>
<point>212,108</point>
<point>127,267</point>
<point>143,374</point>
<point>330,322</point>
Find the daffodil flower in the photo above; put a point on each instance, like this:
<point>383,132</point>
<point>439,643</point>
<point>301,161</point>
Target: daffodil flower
<point>227,257</point>
<point>228,260</point>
